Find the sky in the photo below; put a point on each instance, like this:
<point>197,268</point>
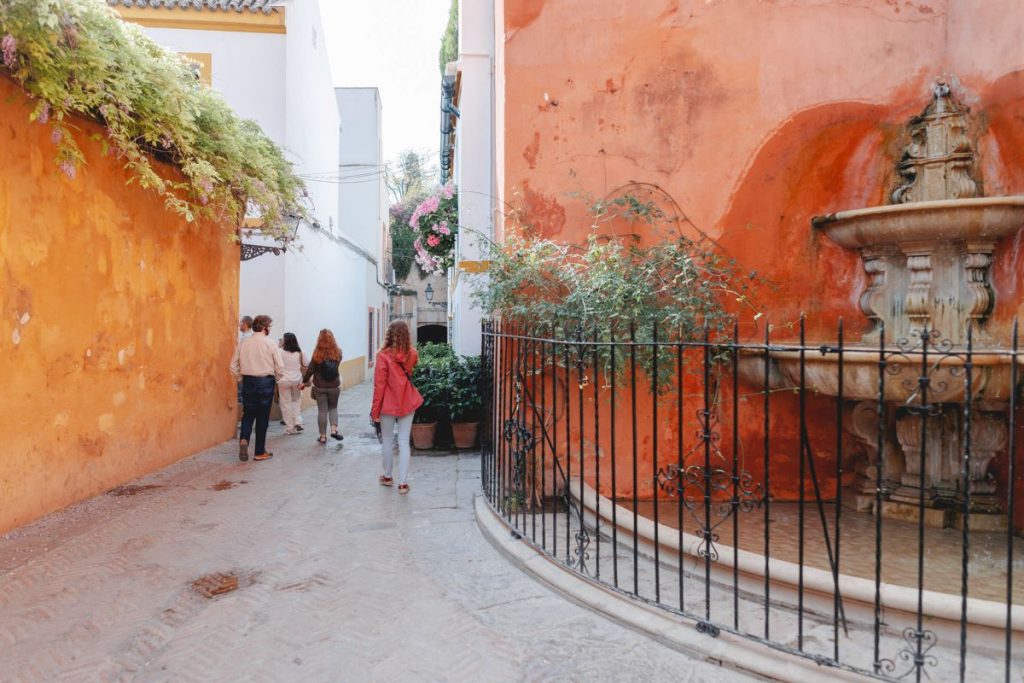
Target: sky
<point>393,45</point>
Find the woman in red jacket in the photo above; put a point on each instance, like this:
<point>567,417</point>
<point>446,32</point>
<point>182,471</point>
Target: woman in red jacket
<point>395,400</point>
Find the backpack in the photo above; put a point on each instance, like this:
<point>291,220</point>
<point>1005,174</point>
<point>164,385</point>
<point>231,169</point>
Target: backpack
<point>329,370</point>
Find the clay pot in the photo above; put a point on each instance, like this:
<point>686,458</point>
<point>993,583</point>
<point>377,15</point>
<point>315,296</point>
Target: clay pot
<point>464,434</point>
<point>423,435</point>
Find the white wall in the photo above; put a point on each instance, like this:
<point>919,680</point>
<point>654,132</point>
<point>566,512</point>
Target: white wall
<point>362,196</point>
<point>316,278</point>
<point>248,69</point>
<point>360,160</point>
<point>474,162</point>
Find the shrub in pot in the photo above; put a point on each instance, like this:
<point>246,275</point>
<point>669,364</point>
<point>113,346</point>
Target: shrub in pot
<point>463,400</point>
<point>430,377</point>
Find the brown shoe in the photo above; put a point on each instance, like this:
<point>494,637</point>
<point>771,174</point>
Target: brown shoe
<point>243,450</point>
<point>263,456</point>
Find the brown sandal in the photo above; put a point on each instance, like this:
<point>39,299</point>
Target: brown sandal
<point>385,481</point>
<point>403,488</point>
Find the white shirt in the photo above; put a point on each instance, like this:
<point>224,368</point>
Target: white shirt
<point>257,356</point>
<point>293,362</point>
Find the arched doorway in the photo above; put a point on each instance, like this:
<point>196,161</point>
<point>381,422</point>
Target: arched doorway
<point>432,333</point>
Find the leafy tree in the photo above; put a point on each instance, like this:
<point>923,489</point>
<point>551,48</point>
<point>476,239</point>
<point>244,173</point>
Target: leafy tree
<point>450,37</point>
<point>409,175</point>
<point>402,238</point>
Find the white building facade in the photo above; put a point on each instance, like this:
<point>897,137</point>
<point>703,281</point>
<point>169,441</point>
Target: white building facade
<point>363,194</point>
<point>270,61</point>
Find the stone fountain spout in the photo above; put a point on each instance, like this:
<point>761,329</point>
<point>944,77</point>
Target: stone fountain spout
<point>938,162</point>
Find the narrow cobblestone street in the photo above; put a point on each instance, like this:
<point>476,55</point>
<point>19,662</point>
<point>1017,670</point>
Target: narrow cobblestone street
<point>339,579</point>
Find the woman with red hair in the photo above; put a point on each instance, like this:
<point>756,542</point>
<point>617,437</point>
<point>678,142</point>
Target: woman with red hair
<point>395,400</point>
<point>326,374</point>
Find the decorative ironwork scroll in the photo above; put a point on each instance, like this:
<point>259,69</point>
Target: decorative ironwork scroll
<point>251,251</point>
<point>693,484</point>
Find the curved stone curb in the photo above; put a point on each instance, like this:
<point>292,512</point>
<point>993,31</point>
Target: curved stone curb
<point>728,649</point>
<point>944,607</point>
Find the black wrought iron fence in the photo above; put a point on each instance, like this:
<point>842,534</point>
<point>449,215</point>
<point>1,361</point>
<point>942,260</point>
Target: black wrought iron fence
<point>850,503</point>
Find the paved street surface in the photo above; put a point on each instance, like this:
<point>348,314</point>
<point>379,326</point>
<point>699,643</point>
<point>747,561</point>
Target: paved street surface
<point>339,579</point>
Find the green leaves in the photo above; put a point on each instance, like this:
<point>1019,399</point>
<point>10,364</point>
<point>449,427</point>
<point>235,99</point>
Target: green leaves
<point>608,284</point>
<point>449,384</point>
<point>76,57</point>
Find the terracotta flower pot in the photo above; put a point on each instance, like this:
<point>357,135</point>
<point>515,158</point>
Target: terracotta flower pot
<point>423,435</point>
<point>464,434</point>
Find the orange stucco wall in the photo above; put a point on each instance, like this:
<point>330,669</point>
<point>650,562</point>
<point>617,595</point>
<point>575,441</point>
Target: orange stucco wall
<point>116,324</point>
<point>754,115</point>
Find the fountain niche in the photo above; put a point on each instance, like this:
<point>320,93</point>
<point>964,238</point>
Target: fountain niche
<point>927,256</point>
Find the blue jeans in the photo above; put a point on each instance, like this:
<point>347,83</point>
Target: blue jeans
<point>257,396</point>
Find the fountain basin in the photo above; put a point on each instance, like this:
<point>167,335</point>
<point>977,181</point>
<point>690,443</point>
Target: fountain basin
<point>983,218</point>
<point>991,379</point>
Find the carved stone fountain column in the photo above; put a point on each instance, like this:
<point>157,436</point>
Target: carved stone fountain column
<point>927,256</point>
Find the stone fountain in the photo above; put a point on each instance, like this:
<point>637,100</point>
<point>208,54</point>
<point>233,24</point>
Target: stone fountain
<point>927,256</point>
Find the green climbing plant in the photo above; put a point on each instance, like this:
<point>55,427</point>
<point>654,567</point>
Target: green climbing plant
<point>77,58</point>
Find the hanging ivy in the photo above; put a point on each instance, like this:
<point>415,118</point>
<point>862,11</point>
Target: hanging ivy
<point>78,58</point>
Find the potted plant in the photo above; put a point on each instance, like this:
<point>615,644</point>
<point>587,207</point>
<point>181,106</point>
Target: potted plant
<point>464,401</point>
<point>430,378</point>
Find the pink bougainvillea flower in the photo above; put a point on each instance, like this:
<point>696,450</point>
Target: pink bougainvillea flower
<point>448,191</point>
<point>428,205</point>
<point>433,240</point>
<point>9,45</point>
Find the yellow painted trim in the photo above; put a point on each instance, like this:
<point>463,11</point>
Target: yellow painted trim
<point>205,62</point>
<point>353,372</point>
<point>205,20</point>
<point>474,266</point>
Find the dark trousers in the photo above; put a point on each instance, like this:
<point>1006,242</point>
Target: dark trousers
<point>257,397</point>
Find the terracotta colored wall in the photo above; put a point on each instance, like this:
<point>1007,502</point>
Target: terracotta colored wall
<point>754,115</point>
<point>116,325</point>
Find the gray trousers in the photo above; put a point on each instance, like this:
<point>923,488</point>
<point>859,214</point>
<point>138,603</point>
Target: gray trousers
<point>387,432</point>
<point>326,405</point>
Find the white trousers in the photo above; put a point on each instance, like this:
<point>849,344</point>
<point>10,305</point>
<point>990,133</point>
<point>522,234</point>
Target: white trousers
<point>387,431</point>
<point>291,402</point>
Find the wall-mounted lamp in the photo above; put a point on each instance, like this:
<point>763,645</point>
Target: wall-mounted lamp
<point>428,294</point>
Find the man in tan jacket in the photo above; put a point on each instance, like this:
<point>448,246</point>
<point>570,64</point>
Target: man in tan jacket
<point>259,364</point>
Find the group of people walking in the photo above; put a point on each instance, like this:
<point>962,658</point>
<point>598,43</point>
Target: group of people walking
<point>262,365</point>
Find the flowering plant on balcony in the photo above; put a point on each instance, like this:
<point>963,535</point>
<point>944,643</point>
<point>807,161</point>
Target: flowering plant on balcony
<point>436,222</point>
